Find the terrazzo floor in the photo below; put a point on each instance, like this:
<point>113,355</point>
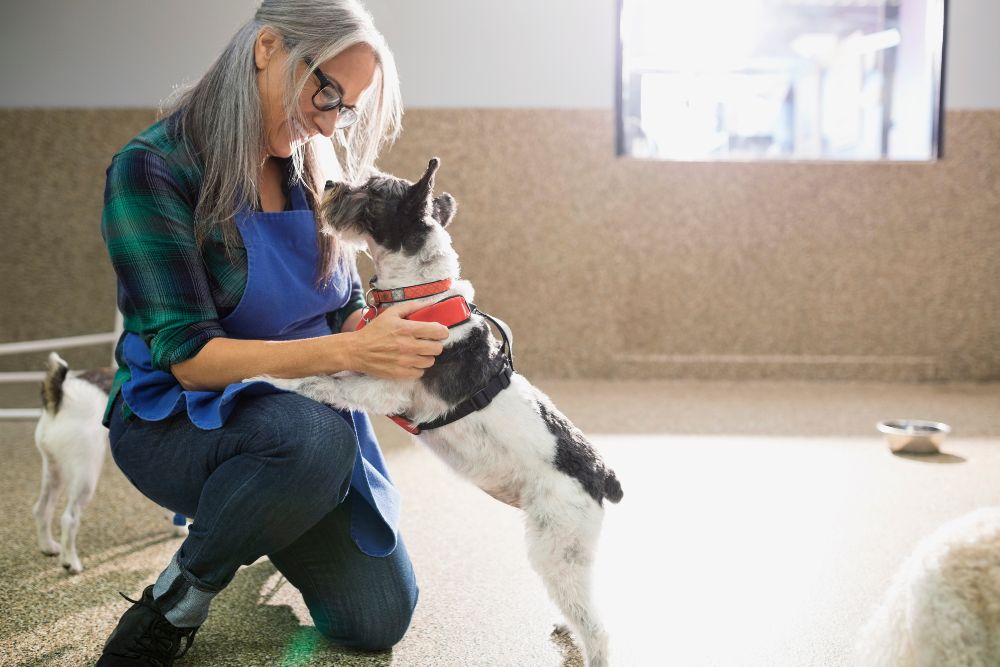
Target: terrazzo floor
<point>761,522</point>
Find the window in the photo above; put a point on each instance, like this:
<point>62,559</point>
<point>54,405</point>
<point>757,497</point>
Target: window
<point>780,79</point>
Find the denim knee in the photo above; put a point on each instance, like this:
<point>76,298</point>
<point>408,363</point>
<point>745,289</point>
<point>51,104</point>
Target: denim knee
<point>315,445</point>
<point>377,630</point>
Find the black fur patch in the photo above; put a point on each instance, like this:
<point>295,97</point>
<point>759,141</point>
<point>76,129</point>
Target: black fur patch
<point>102,378</point>
<point>464,367</point>
<point>393,220</point>
<point>576,457</point>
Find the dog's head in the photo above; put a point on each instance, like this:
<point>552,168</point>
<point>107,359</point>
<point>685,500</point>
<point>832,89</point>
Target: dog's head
<point>392,214</point>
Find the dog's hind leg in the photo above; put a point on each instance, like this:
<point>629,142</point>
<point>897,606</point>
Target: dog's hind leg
<point>80,492</point>
<point>562,539</point>
<point>45,506</point>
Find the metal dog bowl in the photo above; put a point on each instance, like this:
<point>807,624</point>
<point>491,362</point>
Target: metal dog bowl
<point>913,436</point>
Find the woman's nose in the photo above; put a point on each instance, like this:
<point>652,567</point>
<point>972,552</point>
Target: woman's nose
<point>326,121</point>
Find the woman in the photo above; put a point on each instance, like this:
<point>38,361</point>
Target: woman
<point>225,272</point>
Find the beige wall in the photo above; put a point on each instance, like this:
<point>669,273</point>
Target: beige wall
<point>607,267</point>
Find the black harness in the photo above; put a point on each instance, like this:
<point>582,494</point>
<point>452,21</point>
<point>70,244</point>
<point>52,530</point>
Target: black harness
<point>485,395</point>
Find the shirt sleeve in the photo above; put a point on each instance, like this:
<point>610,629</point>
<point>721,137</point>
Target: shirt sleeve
<point>164,291</point>
<point>337,318</point>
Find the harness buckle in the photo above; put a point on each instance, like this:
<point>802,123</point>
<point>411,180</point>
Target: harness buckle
<point>479,400</point>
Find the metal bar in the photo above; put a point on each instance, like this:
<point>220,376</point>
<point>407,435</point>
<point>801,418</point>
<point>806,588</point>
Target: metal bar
<point>22,376</point>
<point>57,343</point>
<point>20,413</point>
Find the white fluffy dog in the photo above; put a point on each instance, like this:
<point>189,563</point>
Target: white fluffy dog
<point>72,441</point>
<point>515,444</point>
<point>942,608</point>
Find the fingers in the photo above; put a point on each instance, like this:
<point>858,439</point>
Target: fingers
<point>409,372</point>
<point>426,347</point>
<point>427,330</point>
<point>402,349</point>
<point>416,363</point>
<point>405,308</point>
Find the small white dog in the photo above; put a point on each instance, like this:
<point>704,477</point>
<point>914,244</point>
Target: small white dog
<point>942,608</point>
<point>72,442</point>
<point>512,442</point>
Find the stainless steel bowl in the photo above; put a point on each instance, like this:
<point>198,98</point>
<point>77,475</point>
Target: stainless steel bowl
<point>914,436</point>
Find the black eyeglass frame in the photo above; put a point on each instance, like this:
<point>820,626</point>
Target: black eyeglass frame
<point>324,82</point>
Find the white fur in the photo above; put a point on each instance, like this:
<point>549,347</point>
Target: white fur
<point>72,443</point>
<point>505,449</point>
<point>942,608</point>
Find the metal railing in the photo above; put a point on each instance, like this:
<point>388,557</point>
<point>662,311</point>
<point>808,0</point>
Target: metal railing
<point>46,345</point>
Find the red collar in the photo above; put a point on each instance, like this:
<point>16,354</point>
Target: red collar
<point>450,312</point>
<point>381,296</point>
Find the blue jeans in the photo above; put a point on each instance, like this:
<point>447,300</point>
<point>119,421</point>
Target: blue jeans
<point>272,481</point>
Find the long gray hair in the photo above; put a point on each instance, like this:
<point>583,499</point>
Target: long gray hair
<point>220,116</point>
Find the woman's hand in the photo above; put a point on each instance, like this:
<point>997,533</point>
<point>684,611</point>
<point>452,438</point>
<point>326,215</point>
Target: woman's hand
<point>395,348</point>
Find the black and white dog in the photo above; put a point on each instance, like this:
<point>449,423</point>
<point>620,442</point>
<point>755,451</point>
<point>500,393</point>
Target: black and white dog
<point>518,448</point>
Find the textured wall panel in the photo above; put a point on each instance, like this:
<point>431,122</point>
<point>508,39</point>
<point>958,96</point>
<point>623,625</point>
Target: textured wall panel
<point>607,267</point>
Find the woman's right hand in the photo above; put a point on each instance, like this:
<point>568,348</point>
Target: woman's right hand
<point>395,348</point>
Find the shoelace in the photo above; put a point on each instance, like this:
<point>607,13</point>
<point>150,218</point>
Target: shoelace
<point>162,637</point>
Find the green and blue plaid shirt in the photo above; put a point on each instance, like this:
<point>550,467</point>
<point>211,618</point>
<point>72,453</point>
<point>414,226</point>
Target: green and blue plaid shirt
<point>170,292</point>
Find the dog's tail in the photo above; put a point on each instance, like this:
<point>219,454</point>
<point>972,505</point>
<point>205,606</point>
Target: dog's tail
<point>612,487</point>
<point>52,385</point>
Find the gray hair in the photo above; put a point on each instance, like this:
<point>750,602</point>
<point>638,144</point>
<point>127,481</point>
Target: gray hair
<point>220,116</point>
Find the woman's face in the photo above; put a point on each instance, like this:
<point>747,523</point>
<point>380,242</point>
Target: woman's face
<point>352,69</point>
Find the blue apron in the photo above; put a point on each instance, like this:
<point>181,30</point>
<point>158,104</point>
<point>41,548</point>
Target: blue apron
<point>280,302</point>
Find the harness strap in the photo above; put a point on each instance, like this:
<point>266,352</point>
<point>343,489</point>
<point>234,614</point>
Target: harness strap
<point>473,403</point>
<point>508,337</point>
<point>484,396</point>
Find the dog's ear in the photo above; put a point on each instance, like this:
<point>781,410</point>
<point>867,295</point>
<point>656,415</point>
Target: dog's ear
<point>416,205</point>
<point>444,209</point>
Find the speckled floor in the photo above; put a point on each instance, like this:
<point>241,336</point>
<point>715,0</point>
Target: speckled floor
<point>761,521</point>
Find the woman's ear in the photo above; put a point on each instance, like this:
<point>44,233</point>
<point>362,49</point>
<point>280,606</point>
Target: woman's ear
<point>267,44</point>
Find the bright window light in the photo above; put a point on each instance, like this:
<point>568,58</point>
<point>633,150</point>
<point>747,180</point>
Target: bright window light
<point>781,79</point>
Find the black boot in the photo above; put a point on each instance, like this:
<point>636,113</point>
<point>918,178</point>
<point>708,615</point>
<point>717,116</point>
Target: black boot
<point>144,637</point>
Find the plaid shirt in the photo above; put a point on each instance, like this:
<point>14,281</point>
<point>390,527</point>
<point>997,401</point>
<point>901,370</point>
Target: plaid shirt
<point>169,292</point>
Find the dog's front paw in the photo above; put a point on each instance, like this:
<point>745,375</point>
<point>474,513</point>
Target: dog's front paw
<point>72,565</point>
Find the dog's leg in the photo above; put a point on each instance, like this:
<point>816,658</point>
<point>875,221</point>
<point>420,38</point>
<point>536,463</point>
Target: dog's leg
<point>350,392</point>
<point>562,538</point>
<point>45,506</point>
<point>80,492</point>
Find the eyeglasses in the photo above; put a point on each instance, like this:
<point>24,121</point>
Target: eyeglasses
<point>329,98</point>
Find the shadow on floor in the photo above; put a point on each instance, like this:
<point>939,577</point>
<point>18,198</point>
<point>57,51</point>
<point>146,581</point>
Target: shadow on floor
<point>246,627</point>
<point>941,457</point>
